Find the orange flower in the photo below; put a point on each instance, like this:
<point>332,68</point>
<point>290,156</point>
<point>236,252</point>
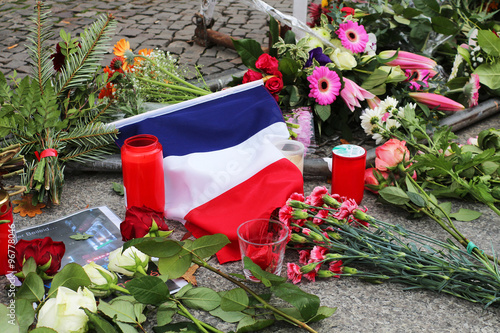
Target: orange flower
<point>143,52</point>
<point>121,47</point>
<point>107,91</point>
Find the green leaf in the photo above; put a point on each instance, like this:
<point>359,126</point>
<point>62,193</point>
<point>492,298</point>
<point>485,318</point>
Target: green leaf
<point>25,314</point>
<point>489,42</point>
<point>8,320</point>
<point>201,299</point>
<point>307,304</point>
<point>234,300</point>
<point>268,279</point>
<point>118,188</point>
<point>394,195</point>
<point>489,75</point>
<point>99,324</point>
<point>249,51</point>
<point>288,66</point>
<point>274,32</point>
<point>29,266</point>
<point>207,246</point>
<point>446,206</point>
<point>466,215</point>
<point>72,276</point>
<point>32,288</point>
<point>175,266</point>
<point>444,25</point>
<point>323,111</point>
<point>228,316</point>
<point>165,313</point>
<point>489,167</point>
<point>417,199</point>
<point>148,290</point>
<point>155,246</point>
<point>249,324</point>
<point>126,328</point>
<point>120,310</point>
<point>323,313</point>
<point>78,236</point>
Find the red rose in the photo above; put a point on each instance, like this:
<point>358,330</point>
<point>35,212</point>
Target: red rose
<point>251,75</point>
<point>43,251</point>
<point>274,85</point>
<point>347,11</point>
<point>267,64</point>
<point>139,222</point>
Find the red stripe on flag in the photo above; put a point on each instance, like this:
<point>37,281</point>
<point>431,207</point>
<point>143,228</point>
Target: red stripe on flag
<point>269,188</point>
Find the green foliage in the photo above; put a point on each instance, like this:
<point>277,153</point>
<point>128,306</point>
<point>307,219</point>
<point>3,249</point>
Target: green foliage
<point>58,110</point>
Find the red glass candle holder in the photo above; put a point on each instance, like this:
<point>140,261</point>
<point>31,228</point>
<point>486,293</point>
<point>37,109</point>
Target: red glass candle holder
<point>7,235</point>
<point>142,168</point>
<point>348,171</point>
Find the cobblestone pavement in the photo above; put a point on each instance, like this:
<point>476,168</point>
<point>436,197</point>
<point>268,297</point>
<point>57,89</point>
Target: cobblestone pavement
<point>163,24</point>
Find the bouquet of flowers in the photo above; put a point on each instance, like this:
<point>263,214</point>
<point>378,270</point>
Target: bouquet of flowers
<point>337,71</point>
<point>90,297</point>
<point>149,76</point>
<point>333,234</point>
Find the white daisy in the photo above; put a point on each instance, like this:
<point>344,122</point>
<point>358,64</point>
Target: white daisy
<point>388,104</point>
<point>369,119</point>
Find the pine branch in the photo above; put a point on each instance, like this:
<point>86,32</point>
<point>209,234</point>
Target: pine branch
<point>81,66</point>
<point>84,154</point>
<point>38,51</point>
<point>92,134</point>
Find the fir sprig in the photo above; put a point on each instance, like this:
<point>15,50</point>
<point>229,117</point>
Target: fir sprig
<point>54,116</point>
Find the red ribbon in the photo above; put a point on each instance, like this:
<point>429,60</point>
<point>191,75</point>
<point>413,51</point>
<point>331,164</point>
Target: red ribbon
<point>45,153</point>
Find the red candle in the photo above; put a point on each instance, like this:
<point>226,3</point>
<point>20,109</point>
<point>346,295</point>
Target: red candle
<point>348,171</point>
<point>143,177</point>
<point>7,235</point>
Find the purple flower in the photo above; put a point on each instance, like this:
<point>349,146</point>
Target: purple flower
<point>320,57</point>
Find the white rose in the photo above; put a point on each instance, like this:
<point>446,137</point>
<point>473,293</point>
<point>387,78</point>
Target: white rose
<point>322,32</point>
<point>63,312</point>
<point>343,59</point>
<point>100,278</point>
<point>131,261</point>
<point>312,43</point>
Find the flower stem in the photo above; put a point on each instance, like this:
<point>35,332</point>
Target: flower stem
<point>119,288</point>
<point>268,306</point>
<point>187,314</point>
<point>198,91</point>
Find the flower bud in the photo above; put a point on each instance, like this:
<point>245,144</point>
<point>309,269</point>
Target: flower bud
<point>309,267</point>
<point>299,214</point>
<point>101,279</point>
<point>349,270</point>
<point>330,201</point>
<point>298,204</point>
<point>298,239</point>
<point>333,256</point>
<point>128,262</point>
<point>324,273</point>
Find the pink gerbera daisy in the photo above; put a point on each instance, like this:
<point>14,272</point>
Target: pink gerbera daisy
<point>325,85</point>
<point>353,36</point>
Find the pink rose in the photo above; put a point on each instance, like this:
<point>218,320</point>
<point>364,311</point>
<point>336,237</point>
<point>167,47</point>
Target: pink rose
<point>373,183</point>
<point>267,64</point>
<point>390,154</point>
<point>251,75</point>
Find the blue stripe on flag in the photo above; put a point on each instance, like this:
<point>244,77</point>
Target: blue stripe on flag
<point>212,125</point>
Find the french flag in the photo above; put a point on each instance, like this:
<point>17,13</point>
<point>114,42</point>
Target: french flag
<point>221,167</point>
